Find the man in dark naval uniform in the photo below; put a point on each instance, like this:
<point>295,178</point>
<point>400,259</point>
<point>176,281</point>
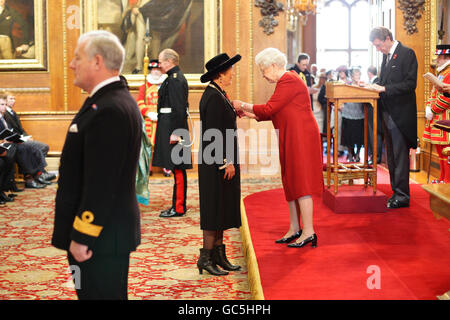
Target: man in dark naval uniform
<point>97,218</point>
<point>172,140</point>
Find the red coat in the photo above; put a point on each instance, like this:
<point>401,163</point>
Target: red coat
<point>301,159</point>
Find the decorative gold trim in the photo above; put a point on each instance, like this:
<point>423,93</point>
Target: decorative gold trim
<point>252,76</point>
<point>85,225</point>
<point>430,22</point>
<point>49,113</point>
<point>64,33</point>
<point>412,12</point>
<point>238,48</point>
<point>212,9</point>
<point>254,278</point>
<point>27,90</point>
<point>39,62</point>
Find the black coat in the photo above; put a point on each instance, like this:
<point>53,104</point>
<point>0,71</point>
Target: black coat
<point>399,77</point>
<point>96,198</point>
<point>220,199</point>
<point>173,94</point>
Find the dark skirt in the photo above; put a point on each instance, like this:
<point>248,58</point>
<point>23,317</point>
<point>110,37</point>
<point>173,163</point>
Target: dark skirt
<point>352,133</point>
<point>220,199</point>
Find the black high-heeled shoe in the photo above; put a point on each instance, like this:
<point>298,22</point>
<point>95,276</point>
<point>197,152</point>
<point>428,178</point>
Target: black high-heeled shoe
<point>312,239</point>
<point>289,239</point>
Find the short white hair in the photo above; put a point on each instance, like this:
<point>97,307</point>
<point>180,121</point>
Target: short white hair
<point>270,56</point>
<point>105,44</point>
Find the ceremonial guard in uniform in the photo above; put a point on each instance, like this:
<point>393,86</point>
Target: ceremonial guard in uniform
<point>97,218</point>
<point>438,109</point>
<point>172,144</point>
<point>149,107</point>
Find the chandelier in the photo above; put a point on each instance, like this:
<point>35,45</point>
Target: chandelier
<point>298,11</point>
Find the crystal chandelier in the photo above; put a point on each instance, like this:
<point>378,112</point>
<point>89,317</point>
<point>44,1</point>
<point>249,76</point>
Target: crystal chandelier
<point>298,10</point>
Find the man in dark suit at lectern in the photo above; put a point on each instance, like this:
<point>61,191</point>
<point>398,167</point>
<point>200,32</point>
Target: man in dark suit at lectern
<point>397,85</point>
<point>97,218</point>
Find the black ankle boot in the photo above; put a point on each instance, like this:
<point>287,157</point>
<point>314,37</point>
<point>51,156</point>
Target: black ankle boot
<point>205,263</point>
<point>219,257</point>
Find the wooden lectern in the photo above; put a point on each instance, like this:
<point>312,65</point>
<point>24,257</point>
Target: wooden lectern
<point>338,94</point>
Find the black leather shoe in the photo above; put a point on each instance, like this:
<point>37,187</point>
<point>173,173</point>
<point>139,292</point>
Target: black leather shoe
<point>170,214</point>
<point>5,198</point>
<point>312,239</point>
<point>48,176</point>
<point>395,204</point>
<point>2,202</point>
<point>167,210</point>
<point>34,185</point>
<point>289,239</point>
<point>41,180</point>
<point>12,195</point>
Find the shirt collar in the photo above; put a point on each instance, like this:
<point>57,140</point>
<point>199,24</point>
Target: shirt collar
<point>394,46</point>
<point>103,84</point>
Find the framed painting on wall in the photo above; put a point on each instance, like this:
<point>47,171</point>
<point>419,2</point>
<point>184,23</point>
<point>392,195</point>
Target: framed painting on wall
<point>145,27</point>
<point>23,35</point>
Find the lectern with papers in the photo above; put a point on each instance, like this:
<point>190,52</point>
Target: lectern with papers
<point>338,94</point>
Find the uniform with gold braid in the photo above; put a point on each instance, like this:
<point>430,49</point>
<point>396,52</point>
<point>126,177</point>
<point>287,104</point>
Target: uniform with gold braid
<point>96,201</point>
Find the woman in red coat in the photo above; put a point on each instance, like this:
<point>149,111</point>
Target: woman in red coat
<point>289,108</point>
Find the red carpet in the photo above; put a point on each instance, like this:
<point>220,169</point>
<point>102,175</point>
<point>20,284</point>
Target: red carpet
<point>408,248</point>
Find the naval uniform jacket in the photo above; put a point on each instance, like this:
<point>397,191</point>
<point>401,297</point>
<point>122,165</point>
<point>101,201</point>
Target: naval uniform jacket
<point>96,198</point>
<point>399,77</point>
<point>173,97</point>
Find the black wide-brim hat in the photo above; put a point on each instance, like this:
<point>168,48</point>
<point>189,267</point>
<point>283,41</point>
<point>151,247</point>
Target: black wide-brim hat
<point>442,49</point>
<point>217,64</point>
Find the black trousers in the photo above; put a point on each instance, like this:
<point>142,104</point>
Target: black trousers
<point>101,277</point>
<point>397,152</point>
<point>179,190</point>
<point>7,170</point>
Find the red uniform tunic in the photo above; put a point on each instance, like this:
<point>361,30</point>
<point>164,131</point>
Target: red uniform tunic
<point>152,102</point>
<point>289,108</point>
<point>440,105</point>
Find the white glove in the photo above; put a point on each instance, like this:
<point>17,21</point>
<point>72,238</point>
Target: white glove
<point>428,113</point>
<point>152,115</point>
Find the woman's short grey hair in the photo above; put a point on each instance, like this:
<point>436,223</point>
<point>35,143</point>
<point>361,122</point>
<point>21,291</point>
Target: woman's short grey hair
<point>270,56</point>
<point>105,44</point>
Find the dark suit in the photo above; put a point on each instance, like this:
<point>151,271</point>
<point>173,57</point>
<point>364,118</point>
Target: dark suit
<point>399,113</point>
<point>14,122</point>
<point>28,158</point>
<point>96,198</point>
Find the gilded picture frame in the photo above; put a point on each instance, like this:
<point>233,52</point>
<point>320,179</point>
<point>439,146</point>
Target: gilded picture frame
<point>196,27</point>
<point>23,36</point>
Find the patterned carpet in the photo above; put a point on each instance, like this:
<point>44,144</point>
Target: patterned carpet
<point>163,267</point>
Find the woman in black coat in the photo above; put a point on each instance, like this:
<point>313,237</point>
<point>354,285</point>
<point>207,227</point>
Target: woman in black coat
<point>218,168</point>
